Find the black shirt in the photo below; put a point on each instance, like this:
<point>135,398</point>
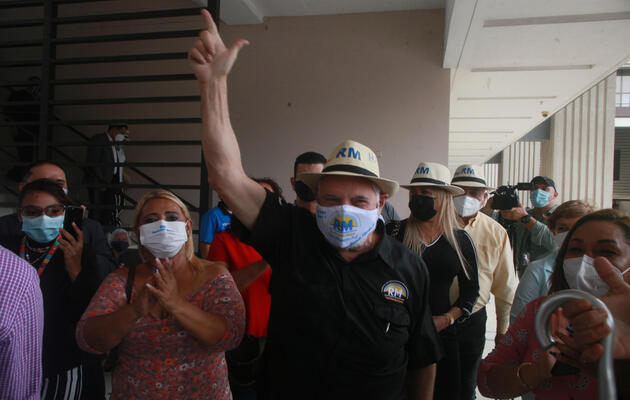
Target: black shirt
<point>339,329</point>
<point>444,265</point>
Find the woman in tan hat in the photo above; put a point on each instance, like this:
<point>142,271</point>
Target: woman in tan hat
<point>432,231</point>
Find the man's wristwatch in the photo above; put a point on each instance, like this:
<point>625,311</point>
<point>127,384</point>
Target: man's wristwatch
<point>526,219</point>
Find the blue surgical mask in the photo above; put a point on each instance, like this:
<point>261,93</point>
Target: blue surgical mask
<point>42,229</point>
<point>539,198</point>
<point>346,226</point>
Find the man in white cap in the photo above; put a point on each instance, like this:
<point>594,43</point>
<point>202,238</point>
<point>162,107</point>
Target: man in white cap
<point>349,312</point>
<point>495,267</point>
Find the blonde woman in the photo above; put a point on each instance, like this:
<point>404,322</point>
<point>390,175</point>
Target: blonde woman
<point>182,315</point>
<point>432,231</point>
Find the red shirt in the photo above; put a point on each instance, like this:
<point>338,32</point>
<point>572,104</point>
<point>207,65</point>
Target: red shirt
<point>228,248</point>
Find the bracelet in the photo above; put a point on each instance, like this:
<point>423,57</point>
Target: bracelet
<point>451,320</point>
<point>520,378</point>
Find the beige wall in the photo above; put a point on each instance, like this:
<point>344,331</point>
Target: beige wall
<point>308,83</point>
<point>304,83</point>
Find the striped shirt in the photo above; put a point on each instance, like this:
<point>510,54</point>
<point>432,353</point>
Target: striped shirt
<point>21,328</point>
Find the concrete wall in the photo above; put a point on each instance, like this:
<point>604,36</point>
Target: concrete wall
<point>308,83</point>
<point>304,83</point>
<point>579,153</point>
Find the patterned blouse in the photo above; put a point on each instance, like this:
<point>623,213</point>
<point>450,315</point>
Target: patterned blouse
<point>520,345</point>
<point>159,359</point>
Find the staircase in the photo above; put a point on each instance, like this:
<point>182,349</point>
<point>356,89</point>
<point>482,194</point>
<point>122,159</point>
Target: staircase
<point>99,63</point>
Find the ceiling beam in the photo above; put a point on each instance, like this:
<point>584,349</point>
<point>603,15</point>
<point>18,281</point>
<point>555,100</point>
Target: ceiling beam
<point>459,15</point>
<point>242,12</point>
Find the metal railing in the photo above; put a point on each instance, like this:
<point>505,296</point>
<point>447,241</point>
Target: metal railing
<point>45,146</point>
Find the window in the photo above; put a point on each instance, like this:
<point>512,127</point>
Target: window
<point>622,98</point>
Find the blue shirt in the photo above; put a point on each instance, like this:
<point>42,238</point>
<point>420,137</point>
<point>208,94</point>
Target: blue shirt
<point>213,222</point>
<point>534,283</point>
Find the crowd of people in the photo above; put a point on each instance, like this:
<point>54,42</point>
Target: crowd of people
<point>332,296</point>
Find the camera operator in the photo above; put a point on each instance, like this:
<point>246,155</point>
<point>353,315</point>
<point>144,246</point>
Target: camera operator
<point>532,239</point>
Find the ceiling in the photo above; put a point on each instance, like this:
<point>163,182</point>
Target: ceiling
<point>510,61</point>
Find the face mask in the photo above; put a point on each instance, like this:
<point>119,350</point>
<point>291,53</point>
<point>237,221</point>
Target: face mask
<point>422,207</point>
<point>539,198</point>
<point>304,192</point>
<point>559,238</point>
<point>42,229</point>
<point>466,206</point>
<point>582,275</point>
<point>120,245</point>
<point>346,226</point>
<point>163,238</point>
<point>119,138</point>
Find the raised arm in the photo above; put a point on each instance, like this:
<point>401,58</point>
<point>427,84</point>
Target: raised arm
<point>211,61</point>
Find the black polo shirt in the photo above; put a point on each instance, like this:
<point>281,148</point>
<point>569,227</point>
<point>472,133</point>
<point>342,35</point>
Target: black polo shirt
<point>340,329</point>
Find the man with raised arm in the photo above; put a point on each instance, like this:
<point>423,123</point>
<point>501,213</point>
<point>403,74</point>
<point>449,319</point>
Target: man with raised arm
<point>349,312</point>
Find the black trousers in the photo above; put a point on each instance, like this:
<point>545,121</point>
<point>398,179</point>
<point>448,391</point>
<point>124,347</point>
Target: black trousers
<point>463,345</point>
<point>471,335</point>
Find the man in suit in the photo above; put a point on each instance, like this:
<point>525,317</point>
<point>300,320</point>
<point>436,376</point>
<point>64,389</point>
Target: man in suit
<point>93,235</point>
<point>106,149</point>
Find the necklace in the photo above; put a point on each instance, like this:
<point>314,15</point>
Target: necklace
<point>429,234</point>
<point>47,257</point>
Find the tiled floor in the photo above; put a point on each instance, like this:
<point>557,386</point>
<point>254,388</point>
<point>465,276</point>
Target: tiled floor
<point>491,331</point>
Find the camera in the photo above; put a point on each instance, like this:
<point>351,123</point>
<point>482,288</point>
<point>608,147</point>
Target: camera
<point>505,197</point>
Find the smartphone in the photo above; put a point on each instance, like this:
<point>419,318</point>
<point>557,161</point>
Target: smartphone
<point>73,214</point>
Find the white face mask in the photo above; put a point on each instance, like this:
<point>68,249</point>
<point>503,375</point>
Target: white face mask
<point>582,275</point>
<point>346,226</point>
<point>119,138</point>
<point>559,238</point>
<point>163,238</point>
<point>466,206</point>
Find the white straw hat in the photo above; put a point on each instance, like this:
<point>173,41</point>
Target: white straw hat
<point>434,175</point>
<point>470,176</point>
<point>351,158</point>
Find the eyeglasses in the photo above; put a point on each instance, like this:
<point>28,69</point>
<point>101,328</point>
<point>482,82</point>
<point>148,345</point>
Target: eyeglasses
<point>53,210</point>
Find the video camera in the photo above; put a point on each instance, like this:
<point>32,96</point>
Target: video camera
<point>505,197</point>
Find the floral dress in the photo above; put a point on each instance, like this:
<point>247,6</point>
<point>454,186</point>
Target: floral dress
<point>159,359</point>
<point>520,345</point>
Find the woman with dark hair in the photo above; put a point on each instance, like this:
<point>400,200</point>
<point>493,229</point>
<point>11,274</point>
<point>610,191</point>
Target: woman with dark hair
<point>252,275</point>
<point>518,364</point>
<point>68,278</point>
<point>433,232</point>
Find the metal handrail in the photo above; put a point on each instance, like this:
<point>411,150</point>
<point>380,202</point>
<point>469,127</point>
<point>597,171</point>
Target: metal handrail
<point>606,388</point>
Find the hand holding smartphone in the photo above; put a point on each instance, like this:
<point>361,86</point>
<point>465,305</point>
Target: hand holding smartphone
<point>73,214</point>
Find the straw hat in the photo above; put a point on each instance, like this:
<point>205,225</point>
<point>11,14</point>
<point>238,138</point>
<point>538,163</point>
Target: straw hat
<point>470,176</point>
<point>434,175</point>
<point>351,158</point>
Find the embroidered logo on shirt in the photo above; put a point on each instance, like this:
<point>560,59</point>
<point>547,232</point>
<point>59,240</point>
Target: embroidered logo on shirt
<point>395,291</point>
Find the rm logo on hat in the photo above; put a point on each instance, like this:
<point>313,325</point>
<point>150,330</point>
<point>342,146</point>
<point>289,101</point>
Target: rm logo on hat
<point>356,154</point>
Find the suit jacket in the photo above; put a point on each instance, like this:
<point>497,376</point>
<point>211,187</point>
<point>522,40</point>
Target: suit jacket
<point>97,153</point>
<point>93,237</point>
